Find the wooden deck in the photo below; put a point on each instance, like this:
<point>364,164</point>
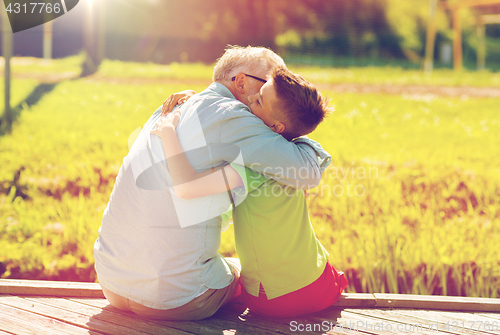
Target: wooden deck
<point>40,307</point>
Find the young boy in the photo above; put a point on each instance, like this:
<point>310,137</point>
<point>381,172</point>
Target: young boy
<point>285,269</point>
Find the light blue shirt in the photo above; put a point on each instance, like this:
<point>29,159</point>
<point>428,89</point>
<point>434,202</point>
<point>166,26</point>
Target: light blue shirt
<point>142,252</point>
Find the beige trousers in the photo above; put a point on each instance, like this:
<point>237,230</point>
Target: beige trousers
<point>199,308</point>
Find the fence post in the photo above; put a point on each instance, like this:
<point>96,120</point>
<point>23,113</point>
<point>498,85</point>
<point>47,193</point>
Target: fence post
<point>7,46</point>
<point>457,39</point>
<point>101,26</point>
<point>431,37</point>
<point>481,46</point>
<point>47,40</point>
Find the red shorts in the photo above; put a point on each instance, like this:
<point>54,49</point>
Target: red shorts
<point>316,296</point>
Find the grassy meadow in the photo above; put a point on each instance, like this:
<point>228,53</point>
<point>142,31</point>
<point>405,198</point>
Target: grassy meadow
<point>409,204</point>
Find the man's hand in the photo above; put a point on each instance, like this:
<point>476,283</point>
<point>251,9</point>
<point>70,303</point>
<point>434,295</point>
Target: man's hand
<point>166,124</point>
<point>176,99</point>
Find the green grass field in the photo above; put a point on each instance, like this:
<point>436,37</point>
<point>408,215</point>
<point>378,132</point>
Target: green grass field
<point>409,204</point>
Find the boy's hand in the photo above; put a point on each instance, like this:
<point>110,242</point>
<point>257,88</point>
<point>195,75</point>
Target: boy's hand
<point>176,99</point>
<point>166,124</point>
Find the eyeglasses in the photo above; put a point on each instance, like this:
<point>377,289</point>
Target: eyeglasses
<point>249,75</point>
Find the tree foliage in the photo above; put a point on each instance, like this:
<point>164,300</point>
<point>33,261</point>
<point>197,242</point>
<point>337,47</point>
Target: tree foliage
<point>356,28</point>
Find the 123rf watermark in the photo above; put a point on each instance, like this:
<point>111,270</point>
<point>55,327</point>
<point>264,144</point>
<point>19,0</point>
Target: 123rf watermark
<point>365,326</point>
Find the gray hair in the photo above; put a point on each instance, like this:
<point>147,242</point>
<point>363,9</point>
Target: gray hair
<point>244,59</point>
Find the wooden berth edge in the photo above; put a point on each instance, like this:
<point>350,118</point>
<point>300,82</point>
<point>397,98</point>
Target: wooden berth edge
<point>346,300</point>
<point>436,302</point>
<point>50,288</point>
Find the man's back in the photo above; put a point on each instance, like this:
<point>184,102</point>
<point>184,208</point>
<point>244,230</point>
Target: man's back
<point>142,252</point>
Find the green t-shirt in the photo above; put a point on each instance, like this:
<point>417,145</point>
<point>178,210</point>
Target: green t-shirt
<point>274,238</point>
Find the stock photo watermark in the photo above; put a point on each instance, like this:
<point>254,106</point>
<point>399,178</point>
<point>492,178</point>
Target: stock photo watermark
<point>366,326</point>
<point>26,14</point>
<point>338,181</point>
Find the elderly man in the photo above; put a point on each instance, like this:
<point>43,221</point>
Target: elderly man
<point>155,255</point>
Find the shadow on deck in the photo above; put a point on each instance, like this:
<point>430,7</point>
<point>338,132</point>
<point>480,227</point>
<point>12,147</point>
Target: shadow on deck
<point>43,307</point>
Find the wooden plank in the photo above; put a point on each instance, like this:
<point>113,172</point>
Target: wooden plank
<point>62,315</point>
<point>93,290</point>
<point>231,312</point>
<point>20,322</point>
<point>437,302</point>
<point>50,288</point>
<point>490,315</point>
<point>215,326</point>
<point>208,326</point>
<point>356,300</point>
<point>238,313</point>
<point>92,302</point>
<point>234,312</point>
<point>229,319</point>
<point>128,320</point>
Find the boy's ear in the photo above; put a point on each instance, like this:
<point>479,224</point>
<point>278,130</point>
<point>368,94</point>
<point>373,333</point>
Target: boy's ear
<point>239,83</point>
<point>278,127</point>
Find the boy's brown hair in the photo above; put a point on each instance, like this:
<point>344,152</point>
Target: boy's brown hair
<point>299,105</point>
